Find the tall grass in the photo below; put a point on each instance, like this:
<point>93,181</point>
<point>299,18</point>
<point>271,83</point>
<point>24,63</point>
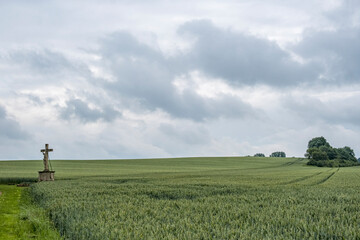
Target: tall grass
<point>20,218</point>
<point>202,198</point>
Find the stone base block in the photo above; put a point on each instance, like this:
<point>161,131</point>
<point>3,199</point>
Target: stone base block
<point>46,176</point>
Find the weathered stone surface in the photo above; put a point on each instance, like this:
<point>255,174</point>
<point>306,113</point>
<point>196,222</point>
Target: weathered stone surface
<point>46,176</point>
<point>46,156</point>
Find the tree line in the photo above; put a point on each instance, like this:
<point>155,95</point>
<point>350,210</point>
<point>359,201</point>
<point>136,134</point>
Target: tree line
<point>320,153</point>
<point>274,154</point>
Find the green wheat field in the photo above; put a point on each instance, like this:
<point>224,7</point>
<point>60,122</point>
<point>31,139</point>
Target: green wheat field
<point>194,198</point>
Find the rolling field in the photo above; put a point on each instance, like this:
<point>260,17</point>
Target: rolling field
<point>196,198</point>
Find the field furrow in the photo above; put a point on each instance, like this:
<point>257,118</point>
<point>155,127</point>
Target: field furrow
<point>301,179</point>
<point>199,198</point>
<point>328,177</point>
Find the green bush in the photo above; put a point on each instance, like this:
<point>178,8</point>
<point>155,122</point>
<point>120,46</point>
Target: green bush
<point>321,154</point>
<point>278,154</point>
<point>259,155</point>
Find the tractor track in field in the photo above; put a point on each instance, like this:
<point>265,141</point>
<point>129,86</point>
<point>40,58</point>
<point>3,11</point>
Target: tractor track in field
<point>327,178</point>
<point>302,178</point>
<point>293,162</point>
<point>233,169</point>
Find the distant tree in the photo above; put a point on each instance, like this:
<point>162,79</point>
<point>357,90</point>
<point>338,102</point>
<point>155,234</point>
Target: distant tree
<point>330,152</point>
<point>259,155</point>
<point>318,142</point>
<point>321,154</point>
<point>278,154</point>
<point>309,152</point>
<point>346,153</point>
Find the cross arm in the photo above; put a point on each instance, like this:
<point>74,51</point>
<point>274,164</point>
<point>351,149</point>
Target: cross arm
<point>47,150</point>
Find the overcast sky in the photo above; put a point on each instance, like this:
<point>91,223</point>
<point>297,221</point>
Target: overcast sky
<point>142,79</point>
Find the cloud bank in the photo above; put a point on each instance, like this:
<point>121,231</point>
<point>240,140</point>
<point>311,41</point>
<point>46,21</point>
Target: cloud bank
<point>211,80</point>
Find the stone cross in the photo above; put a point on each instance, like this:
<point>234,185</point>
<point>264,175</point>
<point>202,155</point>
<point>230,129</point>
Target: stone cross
<point>46,156</point>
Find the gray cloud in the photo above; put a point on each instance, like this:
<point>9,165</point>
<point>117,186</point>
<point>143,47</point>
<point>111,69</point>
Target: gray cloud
<point>338,51</point>
<point>140,71</point>
<point>27,70</point>
<point>145,74</point>
<point>36,100</point>
<point>346,15</point>
<point>44,61</point>
<point>76,108</point>
<point>243,59</point>
<point>10,129</point>
<point>344,111</point>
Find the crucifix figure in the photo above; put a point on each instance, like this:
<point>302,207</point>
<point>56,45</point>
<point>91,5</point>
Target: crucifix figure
<point>46,157</point>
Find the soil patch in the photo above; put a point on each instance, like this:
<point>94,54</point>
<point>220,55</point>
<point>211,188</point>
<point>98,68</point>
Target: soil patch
<point>23,185</point>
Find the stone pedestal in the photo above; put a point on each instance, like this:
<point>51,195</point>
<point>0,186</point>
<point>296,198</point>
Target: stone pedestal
<point>46,176</point>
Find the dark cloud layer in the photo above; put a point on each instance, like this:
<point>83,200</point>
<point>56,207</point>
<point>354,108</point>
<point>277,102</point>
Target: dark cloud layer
<point>146,75</point>
<point>78,109</point>
<point>10,129</point>
<point>338,51</point>
<point>44,61</point>
<point>243,59</point>
<point>143,72</point>
<point>346,15</point>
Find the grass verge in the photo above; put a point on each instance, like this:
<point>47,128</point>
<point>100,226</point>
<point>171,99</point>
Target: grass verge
<point>20,218</point>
